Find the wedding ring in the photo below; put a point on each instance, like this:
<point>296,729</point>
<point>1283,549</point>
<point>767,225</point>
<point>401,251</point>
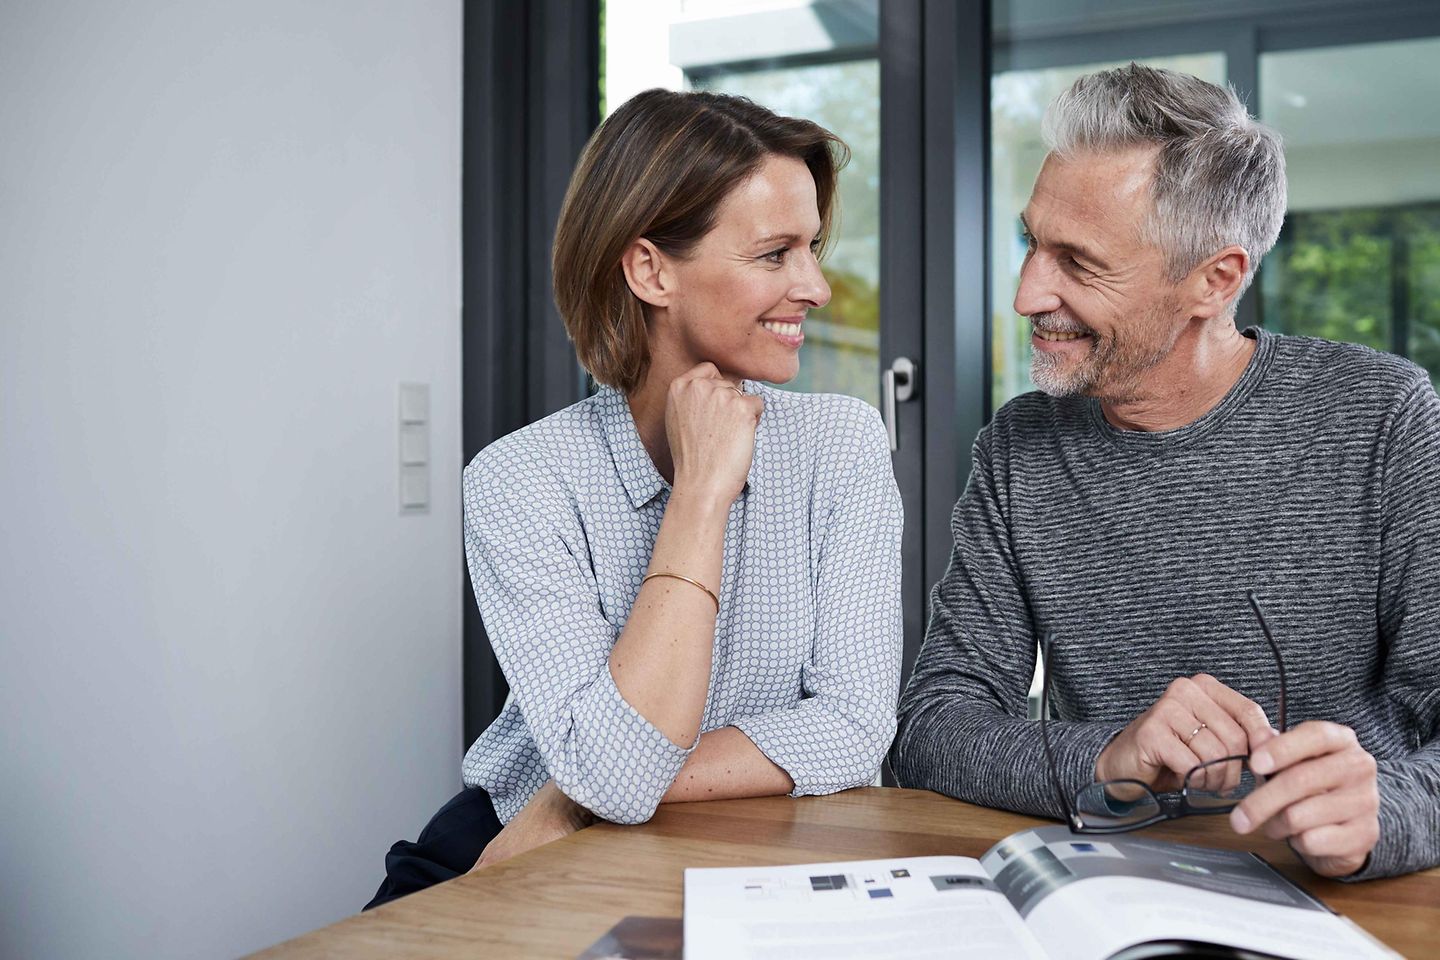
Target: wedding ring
<point>1194,733</point>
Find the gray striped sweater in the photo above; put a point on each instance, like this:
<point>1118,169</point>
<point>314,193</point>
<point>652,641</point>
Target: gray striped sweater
<point>1316,481</point>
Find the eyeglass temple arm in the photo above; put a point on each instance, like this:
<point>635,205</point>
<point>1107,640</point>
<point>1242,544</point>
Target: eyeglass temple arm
<point>1046,642</point>
<point>1274,649</point>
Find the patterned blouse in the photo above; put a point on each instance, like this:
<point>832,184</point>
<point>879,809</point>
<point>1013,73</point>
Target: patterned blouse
<point>560,520</point>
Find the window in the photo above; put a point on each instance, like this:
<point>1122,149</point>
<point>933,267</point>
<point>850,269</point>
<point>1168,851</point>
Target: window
<point>1359,256</point>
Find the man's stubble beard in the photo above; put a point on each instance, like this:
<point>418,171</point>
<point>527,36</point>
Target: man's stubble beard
<point>1112,369</point>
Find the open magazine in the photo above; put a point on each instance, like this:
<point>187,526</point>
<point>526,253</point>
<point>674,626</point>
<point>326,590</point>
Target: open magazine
<point>1042,893</point>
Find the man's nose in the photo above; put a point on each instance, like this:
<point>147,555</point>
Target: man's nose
<point>1036,293</point>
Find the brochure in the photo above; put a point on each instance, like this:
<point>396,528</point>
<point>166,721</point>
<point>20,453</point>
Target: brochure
<point>1042,893</point>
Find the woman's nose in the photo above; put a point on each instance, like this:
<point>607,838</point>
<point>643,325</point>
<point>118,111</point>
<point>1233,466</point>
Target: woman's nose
<point>811,286</point>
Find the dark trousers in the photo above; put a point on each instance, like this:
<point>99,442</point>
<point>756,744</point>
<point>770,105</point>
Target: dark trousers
<point>448,846</point>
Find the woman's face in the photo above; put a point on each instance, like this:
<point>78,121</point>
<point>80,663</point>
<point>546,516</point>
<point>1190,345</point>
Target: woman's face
<point>739,300</point>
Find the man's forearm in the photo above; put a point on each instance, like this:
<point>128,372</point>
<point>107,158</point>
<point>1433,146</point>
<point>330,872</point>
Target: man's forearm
<point>982,755</point>
<point>725,765</point>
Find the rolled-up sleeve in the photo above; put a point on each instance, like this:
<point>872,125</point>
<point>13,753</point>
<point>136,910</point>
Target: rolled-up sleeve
<point>837,735</point>
<point>542,612</point>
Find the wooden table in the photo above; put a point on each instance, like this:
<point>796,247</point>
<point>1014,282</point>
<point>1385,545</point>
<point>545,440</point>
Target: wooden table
<point>558,899</point>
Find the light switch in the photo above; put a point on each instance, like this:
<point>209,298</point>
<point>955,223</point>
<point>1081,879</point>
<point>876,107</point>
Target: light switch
<point>414,488</point>
<point>414,443</point>
<point>414,402</point>
<point>414,447</point>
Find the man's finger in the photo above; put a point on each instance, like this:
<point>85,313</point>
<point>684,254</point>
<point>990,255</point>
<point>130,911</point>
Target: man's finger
<point>1314,776</point>
<point>1309,739</point>
<point>1223,736</point>
<point>1162,745</point>
<point>1336,806</point>
<point>1245,712</point>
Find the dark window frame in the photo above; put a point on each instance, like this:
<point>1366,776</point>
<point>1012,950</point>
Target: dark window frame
<point>531,99</point>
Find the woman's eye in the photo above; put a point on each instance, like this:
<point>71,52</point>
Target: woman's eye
<point>774,256</point>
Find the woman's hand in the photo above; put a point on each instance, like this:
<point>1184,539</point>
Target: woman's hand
<point>711,428</point>
<point>548,816</point>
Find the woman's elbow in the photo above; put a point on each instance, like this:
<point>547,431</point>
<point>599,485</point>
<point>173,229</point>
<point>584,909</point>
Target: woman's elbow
<point>868,750</point>
<point>610,798</point>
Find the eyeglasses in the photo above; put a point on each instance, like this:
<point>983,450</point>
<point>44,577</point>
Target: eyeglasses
<point>1115,806</point>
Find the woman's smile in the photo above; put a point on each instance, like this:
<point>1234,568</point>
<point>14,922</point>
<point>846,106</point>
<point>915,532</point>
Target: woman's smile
<point>786,330</point>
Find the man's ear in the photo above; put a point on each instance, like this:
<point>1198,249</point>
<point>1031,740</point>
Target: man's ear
<point>648,273</point>
<point>1215,282</point>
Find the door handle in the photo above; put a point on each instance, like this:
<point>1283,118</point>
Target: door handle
<point>897,385</point>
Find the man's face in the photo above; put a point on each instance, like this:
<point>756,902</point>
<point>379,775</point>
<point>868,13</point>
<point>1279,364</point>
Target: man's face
<point>1101,310</point>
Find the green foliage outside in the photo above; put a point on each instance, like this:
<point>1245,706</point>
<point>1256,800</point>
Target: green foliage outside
<point>1369,276</point>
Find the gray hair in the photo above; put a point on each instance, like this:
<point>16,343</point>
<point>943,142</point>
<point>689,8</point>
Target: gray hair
<point>1219,176</point>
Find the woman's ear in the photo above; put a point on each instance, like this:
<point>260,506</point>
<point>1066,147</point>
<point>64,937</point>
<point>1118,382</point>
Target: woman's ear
<point>1217,280</point>
<point>648,273</point>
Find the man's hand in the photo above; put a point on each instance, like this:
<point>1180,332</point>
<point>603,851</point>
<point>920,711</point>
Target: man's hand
<point>1320,794</point>
<point>1198,719</point>
<point>548,816</point>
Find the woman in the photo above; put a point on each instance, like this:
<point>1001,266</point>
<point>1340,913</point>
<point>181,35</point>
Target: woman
<point>690,580</point>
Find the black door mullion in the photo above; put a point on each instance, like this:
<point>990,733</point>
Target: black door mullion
<point>902,276</point>
<point>934,299</point>
<point>957,262</point>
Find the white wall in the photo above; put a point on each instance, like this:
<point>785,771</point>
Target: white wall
<point>229,669</point>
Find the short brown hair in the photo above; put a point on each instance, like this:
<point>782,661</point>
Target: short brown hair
<point>659,168</point>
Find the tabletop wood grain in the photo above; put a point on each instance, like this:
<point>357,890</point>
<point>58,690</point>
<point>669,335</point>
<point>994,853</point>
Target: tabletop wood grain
<point>558,899</point>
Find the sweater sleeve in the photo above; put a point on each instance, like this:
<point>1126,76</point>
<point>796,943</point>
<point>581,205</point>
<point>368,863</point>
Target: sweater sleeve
<point>1409,622</point>
<point>836,736</point>
<point>542,612</point>
<point>963,729</point>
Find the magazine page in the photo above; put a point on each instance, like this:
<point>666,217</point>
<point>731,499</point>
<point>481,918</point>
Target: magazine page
<point>1084,895</point>
<point>915,908</point>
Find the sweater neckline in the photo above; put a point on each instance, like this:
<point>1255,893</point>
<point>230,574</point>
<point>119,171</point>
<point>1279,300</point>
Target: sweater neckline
<point>1234,400</point>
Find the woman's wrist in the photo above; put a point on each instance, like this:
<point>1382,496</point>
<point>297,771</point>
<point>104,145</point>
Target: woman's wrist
<point>699,501</point>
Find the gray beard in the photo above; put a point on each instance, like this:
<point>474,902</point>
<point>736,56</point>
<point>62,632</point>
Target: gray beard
<point>1050,376</point>
<point>1109,372</point>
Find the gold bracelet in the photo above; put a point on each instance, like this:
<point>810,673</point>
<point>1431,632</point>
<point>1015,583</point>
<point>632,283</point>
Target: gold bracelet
<point>675,576</point>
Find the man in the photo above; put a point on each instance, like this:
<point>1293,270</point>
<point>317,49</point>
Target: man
<point>1168,464</point>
